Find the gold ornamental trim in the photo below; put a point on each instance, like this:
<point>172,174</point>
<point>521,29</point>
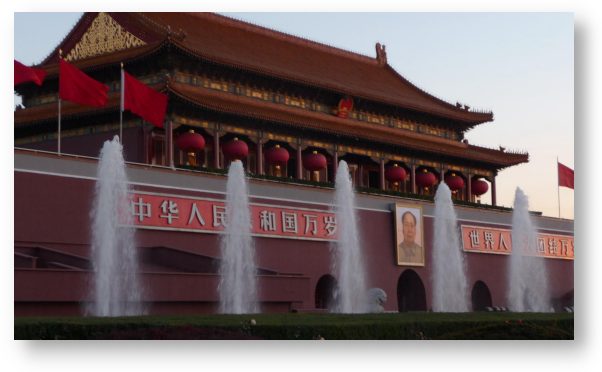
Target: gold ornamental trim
<point>103,36</point>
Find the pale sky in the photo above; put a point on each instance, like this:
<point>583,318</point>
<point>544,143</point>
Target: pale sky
<point>519,65</point>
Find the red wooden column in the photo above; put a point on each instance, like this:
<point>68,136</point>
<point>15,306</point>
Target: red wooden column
<point>147,143</point>
<point>260,156</point>
<point>335,162</point>
<point>493,198</point>
<point>382,174</point>
<point>169,135</point>
<point>469,188</point>
<point>413,178</point>
<point>299,162</point>
<point>216,149</point>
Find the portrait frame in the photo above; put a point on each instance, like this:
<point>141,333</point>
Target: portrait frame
<point>404,257</point>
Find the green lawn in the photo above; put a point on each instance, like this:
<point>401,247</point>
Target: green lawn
<point>419,325</point>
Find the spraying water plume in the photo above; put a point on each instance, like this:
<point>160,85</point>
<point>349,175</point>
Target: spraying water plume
<point>351,294</point>
<point>116,288</point>
<point>449,270</point>
<point>528,283</point>
<point>237,287</point>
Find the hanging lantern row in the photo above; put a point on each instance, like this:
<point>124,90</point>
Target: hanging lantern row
<point>190,141</point>
<point>454,181</point>
<point>425,178</point>
<point>478,186</point>
<point>314,161</point>
<point>235,149</point>
<point>395,173</point>
<point>277,155</point>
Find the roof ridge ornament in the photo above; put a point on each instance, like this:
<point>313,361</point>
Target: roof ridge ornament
<point>381,54</point>
<point>178,35</point>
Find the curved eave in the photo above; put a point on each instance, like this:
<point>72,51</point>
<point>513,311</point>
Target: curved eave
<point>103,60</point>
<point>510,158</point>
<point>69,110</point>
<point>47,113</point>
<point>472,118</point>
<point>70,39</point>
<point>98,63</point>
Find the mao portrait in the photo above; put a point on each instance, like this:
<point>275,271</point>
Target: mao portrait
<point>409,241</point>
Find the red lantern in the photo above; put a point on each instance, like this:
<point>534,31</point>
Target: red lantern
<point>454,181</point>
<point>345,107</point>
<point>395,173</point>
<point>235,149</point>
<point>190,141</point>
<point>425,178</point>
<point>478,186</point>
<point>314,161</point>
<point>277,155</point>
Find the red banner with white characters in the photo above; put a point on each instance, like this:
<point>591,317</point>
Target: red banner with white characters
<point>499,241</point>
<point>156,211</point>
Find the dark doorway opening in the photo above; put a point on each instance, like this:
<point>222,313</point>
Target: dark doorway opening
<point>411,295</point>
<point>325,292</point>
<point>481,297</point>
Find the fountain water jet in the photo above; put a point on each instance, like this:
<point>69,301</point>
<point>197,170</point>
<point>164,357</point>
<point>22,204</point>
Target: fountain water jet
<point>449,271</point>
<point>351,294</point>
<point>237,287</point>
<point>116,288</point>
<point>527,283</point>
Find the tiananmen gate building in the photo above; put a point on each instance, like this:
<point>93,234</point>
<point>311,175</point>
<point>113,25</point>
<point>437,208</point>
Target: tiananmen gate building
<point>290,109</point>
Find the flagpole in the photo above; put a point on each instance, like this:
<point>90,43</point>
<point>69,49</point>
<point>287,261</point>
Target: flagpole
<point>558,184</point>
<point>59,131</point>
<point>59,96</point>
<point>121,104</point>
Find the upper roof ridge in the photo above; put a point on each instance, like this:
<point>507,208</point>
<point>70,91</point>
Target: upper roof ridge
<point>252,27</point>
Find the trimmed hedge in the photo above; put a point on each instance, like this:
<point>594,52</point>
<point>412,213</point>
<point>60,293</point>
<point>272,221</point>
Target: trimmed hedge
<point>390,326</point>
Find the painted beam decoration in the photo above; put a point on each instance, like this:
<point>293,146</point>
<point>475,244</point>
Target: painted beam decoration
<point>499,241</point>
<point>168,212</point>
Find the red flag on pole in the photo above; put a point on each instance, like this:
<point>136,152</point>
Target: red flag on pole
<point>144,101</point>
<point>25,74</point>
<point>75,86</point>
<point>566,176</point>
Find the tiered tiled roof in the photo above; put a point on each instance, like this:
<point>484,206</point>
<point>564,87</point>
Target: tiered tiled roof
<point>252,48</point>
<point>263,51</point>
